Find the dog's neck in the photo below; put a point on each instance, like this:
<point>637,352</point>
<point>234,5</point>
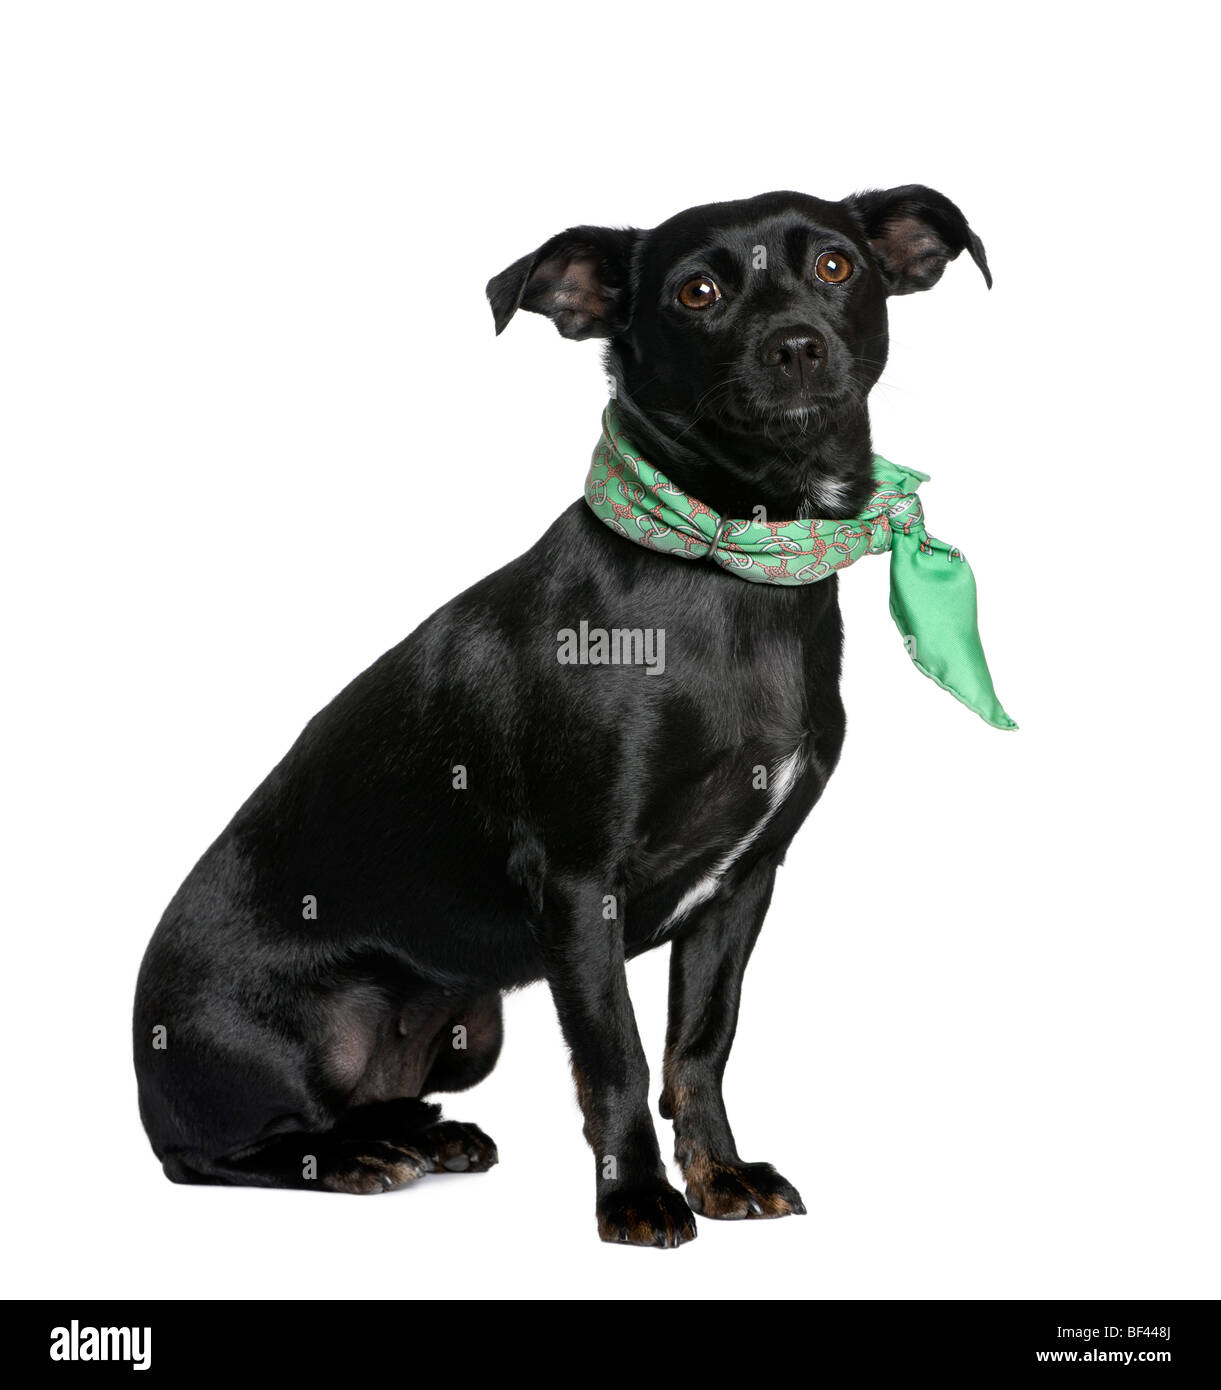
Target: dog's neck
<point>821,466</point>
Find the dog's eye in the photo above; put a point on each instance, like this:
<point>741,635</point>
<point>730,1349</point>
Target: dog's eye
<point>698,293</point>
<point>832,267</point>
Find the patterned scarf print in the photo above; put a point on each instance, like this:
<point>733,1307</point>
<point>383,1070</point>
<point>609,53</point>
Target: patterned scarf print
<point>932,589</point>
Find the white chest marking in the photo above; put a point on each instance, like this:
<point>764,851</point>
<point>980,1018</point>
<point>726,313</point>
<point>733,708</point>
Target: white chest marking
<point>779,784</point>
<point>831,492</point>
<point>823,494</point>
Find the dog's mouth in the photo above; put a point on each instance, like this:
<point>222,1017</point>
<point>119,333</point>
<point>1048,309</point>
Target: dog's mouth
<point>800,412</point>
<point>751,408</point>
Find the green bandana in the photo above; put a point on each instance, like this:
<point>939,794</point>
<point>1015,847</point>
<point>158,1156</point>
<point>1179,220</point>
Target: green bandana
<point>932,589</point>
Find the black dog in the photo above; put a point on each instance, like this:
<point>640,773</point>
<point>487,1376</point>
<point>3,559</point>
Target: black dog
<point>472,813</point>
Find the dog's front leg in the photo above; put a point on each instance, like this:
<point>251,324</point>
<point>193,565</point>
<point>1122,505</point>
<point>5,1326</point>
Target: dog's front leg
<point>584,959</point>
<point>706,969</point>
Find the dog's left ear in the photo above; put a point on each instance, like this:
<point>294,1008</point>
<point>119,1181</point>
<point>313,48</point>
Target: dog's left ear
<point>579,279</point>
<point>915,232</point>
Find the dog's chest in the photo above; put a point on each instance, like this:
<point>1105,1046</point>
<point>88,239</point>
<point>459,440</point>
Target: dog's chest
<point>725,754</point>
<point>705,830</point>
<point>774,785</point>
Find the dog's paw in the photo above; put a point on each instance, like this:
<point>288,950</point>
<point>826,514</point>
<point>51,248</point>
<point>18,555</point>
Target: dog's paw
<point>457,1147</point>
<point>365,1166</point>
<point>732,1192</point>
<point>654,1215</point>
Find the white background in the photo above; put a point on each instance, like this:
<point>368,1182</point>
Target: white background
<point>252,403</point>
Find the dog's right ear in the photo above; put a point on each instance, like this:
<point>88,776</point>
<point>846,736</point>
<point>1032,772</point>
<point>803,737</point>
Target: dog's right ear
<point>580,279</point>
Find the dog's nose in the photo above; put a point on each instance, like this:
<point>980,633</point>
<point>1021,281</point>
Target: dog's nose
<point>798,351</point>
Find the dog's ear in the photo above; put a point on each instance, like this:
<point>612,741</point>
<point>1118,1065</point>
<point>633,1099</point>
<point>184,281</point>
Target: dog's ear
<point>915,232</point>
<point>579,279</point>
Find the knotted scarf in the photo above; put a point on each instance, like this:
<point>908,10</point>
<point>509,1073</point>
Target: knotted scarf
<point>932,589</point>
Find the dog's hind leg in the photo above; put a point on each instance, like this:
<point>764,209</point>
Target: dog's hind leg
<point>470,1042</point>
<point>343,1118</point>
<point>374,1148</point>
<point>357,1158</point>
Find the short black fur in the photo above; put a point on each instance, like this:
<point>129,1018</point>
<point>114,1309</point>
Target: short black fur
<point>277,1049</point>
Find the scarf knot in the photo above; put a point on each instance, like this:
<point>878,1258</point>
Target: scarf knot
<point>890,510</point>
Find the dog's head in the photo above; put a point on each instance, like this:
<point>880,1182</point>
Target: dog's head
<point>744,338</point>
